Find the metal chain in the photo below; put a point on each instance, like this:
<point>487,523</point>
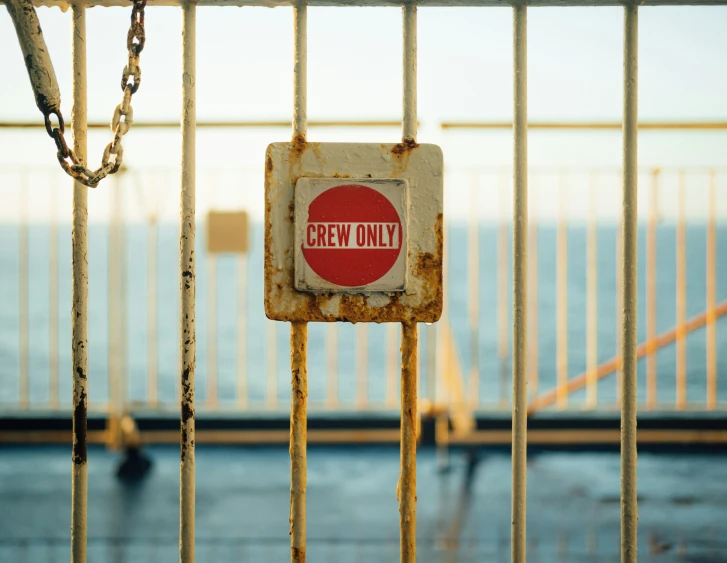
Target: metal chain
<point>123,114</point>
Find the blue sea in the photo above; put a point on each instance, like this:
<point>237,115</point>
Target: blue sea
<point>493,386</point>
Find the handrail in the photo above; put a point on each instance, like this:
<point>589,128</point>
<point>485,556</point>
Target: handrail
<point>609,367</point>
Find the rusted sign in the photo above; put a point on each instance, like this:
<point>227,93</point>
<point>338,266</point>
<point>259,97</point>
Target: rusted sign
<point>353,232</point>
<point>227,232</point>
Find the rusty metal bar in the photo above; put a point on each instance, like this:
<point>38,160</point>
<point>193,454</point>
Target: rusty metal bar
<point>473,303</point>
<point>299,330</point>
<point>651,290</point>
<point>53,299</point>
<point>212,386</point>
<point>272,365</point>
<point>23,291</point>
<point>151,311</point>
<point>592,298</point>
<point>234,124</point>
<point>711,284</point>
<point>629,508</point>
<point>681,305</point>
<point>298,440</point>
<point>562,296</point>
<point>408,470</point>
<point>332,364</point>
<point>79,313</point>
<point>188,332</point>
<point>533,296</point>
<point>391,365</point>
<point>242,395</point>
<point>503,339</point>
<point>520,287</point>
<point>362,366</point>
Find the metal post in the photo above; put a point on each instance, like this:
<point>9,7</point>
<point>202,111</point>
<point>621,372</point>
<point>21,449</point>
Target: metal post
<point>188,282</point>
<point>242,395</point>
<point>299,330</point>
<point>562,300</point>
<point>651,292</point>
<point>592,300</point>
<point>151,312</point>
<point>473,269</point>
<point>629,509</point>
<point>332,364</point>
<point>520,280</point>
<point>681,305</point>
<point>711,301</point>
<point>23,291</point>
<point>212,330</point>
<point>53,298</point>
<point>619,310</point>
<point>79,313</point>
<point>408,471</point>
<point>362,368</point>
<point>114,312</point>
<point>298,440</point>
<point>409,356</point>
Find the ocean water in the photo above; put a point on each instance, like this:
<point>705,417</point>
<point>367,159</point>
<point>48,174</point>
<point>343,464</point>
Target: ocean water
<point>494,373</point>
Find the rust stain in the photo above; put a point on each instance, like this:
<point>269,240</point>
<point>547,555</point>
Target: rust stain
<point>297,554</point>
<point>401,154</point>
<point>407,145</point>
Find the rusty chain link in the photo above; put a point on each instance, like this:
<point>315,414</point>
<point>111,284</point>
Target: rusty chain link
<point>123,114</point>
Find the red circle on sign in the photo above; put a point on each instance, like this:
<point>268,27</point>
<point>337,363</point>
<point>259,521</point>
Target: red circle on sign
<point>353,235</point>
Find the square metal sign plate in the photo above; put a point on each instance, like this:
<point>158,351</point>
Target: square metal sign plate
<point>353,232</point>
<point>350,235</point>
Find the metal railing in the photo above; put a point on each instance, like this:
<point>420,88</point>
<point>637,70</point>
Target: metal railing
<point>628,353</point>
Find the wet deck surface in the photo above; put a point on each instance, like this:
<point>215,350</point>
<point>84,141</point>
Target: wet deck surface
<point>243,495</point>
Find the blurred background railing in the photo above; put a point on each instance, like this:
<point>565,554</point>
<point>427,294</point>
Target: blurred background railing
<point>242,357</point>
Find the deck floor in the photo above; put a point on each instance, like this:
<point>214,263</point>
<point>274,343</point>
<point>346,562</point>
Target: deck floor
<point>243,496</point>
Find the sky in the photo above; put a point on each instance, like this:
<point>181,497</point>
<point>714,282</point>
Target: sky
<point>244,61</point>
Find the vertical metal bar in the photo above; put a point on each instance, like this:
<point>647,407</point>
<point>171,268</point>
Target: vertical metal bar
<point>242,396</point>
<point>409,124</point>
<point>53,298</point>
<point>23,291</point>
<point>362,366</point>
<point>298,440</point>
<point>533,295</point>
<point>562,300</point>
<point>592,299</point>
<point>711,284</point>
<point>272,365</point>
<point>298,330</point>
<point>391,365</point>
<point>473,270</point>
<point>520,280</point>
<point>212,330</point>
<point>681,305</point>
<point>409,342</point>
<point>502,294</point>
<point>408,471</point>
<point>629,509</point>
<point>188,334</point>
<point>651,292</point>
<point>332,364</point>
<point>151,312</point>
<point>79,313</point>
<point>123,308</point>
